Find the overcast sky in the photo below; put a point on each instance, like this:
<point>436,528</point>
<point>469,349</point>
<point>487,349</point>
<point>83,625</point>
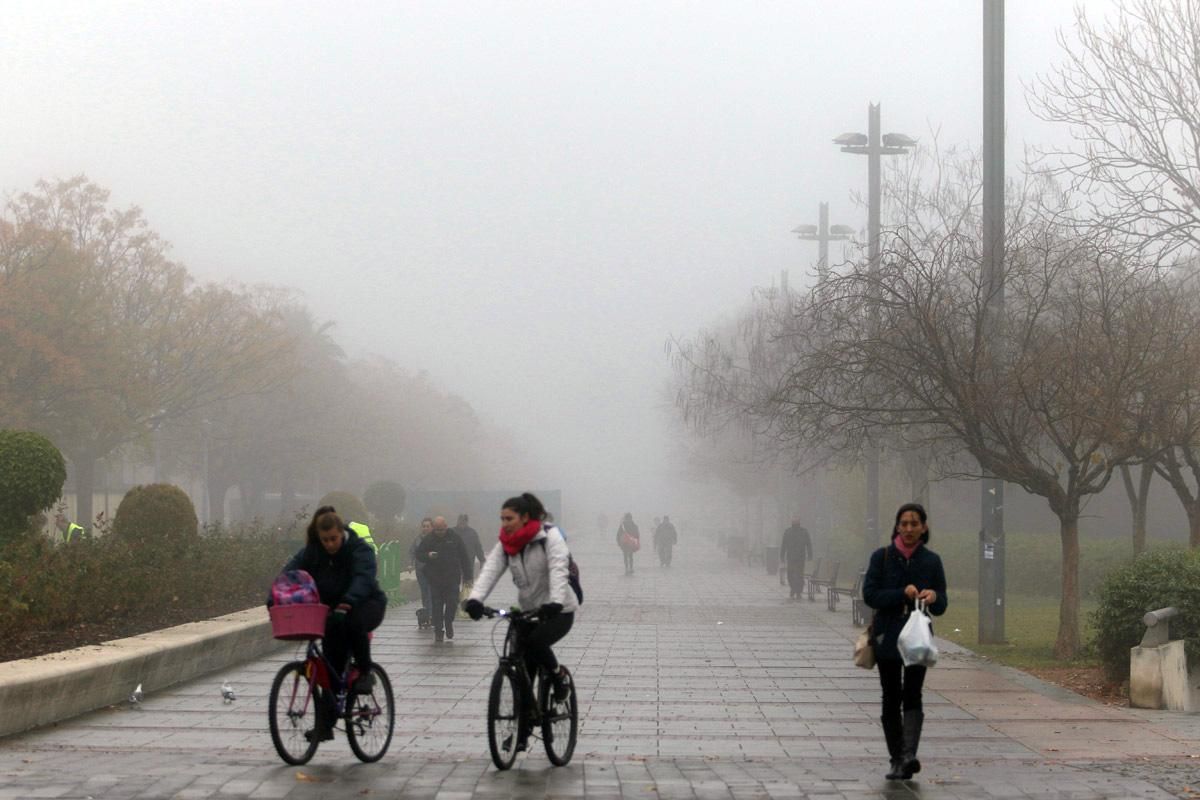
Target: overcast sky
<point>524,199</point>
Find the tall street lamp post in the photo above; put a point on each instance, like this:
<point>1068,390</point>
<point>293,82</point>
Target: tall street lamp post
<point>823,234</point>
<point>873,145</point>
<point>991,534</point>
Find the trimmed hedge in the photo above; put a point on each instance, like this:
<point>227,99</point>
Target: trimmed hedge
<point>347,505</point>
<point>1157,579</point>
<point>44,587</point>
<point>159,518</point>
<point>32,474</point>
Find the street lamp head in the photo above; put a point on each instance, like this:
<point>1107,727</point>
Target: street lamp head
<point>805,230</point>
<point>841,230</point>
<point>898,140</point>
<point>851,139</point>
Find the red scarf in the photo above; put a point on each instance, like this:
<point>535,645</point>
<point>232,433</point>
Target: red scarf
<point>514,542</point>
<point>903,548</point>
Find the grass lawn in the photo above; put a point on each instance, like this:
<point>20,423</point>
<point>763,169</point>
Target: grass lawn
<point>1030,626</point>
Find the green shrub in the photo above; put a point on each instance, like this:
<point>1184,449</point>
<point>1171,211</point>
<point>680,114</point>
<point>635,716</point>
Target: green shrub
<point>159,518</point>
<point>347,505</point>
<point>1157,579</point>
<point>385,499</point>
<point>32,474</point>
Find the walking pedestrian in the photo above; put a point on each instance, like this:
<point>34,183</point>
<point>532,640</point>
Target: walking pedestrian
<point>665,538</point>
<point>447,564</point>
<point>629,539</point>
<point>422,578</point>
<point>898,576</point>
<point>470,540</point>
<point>795,548</point>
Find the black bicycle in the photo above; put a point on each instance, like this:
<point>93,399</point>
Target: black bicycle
<point>513,714</point>
<point>300,686</point>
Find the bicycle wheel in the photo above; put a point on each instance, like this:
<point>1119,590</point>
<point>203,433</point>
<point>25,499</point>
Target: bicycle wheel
<point>504,717</point>
<point>293,714</point>
<point>370,718</point>
<point>560,721</point>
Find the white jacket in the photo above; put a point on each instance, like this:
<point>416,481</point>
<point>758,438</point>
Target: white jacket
<point>539,572</point>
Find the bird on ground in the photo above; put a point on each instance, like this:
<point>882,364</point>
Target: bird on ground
<point>136,696</point>
<point>227,692</point>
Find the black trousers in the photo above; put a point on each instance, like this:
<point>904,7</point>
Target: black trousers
<point>445,604</point>
<point>901,686</point>
<point>350,635</point>
<point>628,560</point>
<point>536,642</point>
<point>795,573</point>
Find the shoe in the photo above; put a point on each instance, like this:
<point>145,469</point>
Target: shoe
<point>363,684</point>
<point>323,735</point>
<point>893,734</point>
<point>437,637</point>
<point>562,685</point>
<point>449,629</point>
<point>913,720</point>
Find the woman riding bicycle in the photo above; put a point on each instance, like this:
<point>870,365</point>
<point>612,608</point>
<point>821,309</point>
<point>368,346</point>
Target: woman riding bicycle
<point>343,567</point>
<point>537,555</point>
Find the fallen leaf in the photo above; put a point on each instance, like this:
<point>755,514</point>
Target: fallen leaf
<point>304,776</point>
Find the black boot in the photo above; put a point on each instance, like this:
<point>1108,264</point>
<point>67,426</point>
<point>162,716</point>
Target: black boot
<point>893,734</point>
<point>912,740</point>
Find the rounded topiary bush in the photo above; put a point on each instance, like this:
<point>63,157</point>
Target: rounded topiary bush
<point>32,474</point>
<point>348,506</point>
<point>158,517</point>
<point>385,499</point>
<point>1157,579</point>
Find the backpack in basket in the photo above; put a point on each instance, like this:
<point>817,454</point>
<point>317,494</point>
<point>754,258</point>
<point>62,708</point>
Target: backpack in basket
<point>294,587</point>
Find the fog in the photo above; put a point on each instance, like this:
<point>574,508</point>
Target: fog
<point>522,199</point>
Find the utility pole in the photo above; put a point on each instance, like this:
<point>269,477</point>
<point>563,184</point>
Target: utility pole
<point>873,145</point>
<point>991,534</point>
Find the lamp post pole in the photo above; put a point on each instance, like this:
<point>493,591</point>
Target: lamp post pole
<point>991,534</point>
<point>873,146</point>
<point>823,234</point>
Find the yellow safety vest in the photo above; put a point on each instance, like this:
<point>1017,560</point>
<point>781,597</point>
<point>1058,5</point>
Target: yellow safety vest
<point>364,533</point>
<point>73,532</point>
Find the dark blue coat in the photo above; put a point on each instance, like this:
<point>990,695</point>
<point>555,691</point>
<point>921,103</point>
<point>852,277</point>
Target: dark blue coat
<point>347,577</point>
<point>883,590</point>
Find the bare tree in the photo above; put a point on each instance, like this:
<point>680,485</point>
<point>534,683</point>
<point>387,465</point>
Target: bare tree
<point>1130,92</point>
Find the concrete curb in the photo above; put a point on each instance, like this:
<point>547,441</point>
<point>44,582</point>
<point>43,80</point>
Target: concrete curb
<point>45,689</point>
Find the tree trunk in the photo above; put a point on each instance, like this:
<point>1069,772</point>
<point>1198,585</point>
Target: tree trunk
<point>1139,497</point>
<point>218,487</point>
<point>1193,515</point>
<point>1067,645</point>
<point>85,488</point>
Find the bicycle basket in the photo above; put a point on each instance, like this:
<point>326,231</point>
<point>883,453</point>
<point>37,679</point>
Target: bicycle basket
<point>299,621</point>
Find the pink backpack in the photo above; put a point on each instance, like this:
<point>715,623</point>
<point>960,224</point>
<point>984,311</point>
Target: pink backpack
<point>293,587</point>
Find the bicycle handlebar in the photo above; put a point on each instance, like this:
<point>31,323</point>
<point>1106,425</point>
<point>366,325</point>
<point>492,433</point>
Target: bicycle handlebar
<point>513,614</point>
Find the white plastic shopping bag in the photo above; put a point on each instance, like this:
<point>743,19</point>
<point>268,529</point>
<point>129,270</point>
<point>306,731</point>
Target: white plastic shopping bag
<point>916,640</point>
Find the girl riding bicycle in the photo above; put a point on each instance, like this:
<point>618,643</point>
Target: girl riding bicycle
<point>343,567</point>
<point>537,555</point>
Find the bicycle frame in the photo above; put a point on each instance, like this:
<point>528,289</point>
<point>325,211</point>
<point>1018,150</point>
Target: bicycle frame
<point>326,676</point>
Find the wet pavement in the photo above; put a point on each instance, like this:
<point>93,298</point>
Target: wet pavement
<point>700,681</point>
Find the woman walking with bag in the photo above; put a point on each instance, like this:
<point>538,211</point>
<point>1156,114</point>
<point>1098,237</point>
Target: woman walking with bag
<point>900,575</point>
<point>629,539</point>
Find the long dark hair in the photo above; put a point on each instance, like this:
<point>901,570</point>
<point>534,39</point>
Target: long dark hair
<point>920,509</point>
<point>526,504</point>
<point>324,518</point>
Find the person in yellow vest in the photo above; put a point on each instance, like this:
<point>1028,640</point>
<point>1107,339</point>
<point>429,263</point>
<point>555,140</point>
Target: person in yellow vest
<point>69,530</point>
<point>364,533</point>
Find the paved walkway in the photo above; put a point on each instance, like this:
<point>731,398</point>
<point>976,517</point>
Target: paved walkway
<point>697,682</point>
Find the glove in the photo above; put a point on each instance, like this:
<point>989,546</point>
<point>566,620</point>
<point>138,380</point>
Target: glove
<point>338,617</point>
<point>550,610</point>
<point>474,609</point>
